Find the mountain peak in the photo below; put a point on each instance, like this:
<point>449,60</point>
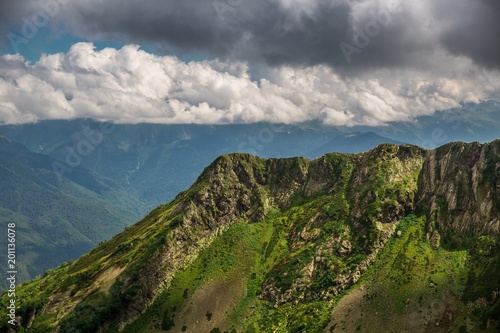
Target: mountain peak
<point>264,235</point>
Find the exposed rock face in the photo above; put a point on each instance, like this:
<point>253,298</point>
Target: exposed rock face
<point>379,189</point>
<point>339,211</point>
<point>460,185</point>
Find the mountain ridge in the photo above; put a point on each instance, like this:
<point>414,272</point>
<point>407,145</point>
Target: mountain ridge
<point>149,163</point>
<point>291,234</point>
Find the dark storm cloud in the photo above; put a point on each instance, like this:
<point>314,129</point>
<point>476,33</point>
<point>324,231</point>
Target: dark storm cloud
<point>260,30</point>
<point>300,31</point>
<point>10,14</point>
<point>20,21</point>
<point>249,30</point>
<point>471,28</point>
<point>8,9</point>
<point>291,32</point>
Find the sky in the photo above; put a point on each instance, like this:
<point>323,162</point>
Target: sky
<point>339,62</point>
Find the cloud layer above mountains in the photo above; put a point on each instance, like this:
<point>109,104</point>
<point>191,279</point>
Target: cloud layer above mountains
<point>130,85</point>
<point>338,61</point>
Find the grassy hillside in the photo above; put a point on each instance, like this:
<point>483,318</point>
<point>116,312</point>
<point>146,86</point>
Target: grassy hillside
<point>342,243</point>
<point>412,287</point>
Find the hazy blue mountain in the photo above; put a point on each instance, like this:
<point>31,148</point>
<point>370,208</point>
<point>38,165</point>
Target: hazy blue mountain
<point>469,123</point>
<point>353,143</point>
<point>57,218</point>
<point>159,161</point>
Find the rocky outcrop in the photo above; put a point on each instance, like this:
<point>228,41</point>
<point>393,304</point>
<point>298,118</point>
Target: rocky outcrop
<point>459,185</point>
<point>378,189</point>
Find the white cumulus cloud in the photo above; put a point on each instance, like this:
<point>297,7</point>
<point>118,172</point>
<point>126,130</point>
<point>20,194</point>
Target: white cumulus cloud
<point>130,85</point>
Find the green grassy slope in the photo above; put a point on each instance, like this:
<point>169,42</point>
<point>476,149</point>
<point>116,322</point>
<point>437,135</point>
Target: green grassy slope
<point>334,244</point>
<point>410,288</point>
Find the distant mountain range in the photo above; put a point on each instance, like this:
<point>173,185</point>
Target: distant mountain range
<point>159,161</point>
<point>57,218</point>
<point>468,123</point>
<point>353,143</point>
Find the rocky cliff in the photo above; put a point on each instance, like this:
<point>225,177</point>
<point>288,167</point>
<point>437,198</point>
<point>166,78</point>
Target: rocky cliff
<point>273,245</point>
<point>460,186</point>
